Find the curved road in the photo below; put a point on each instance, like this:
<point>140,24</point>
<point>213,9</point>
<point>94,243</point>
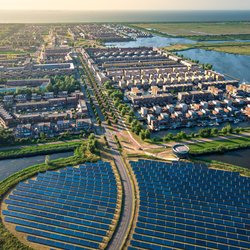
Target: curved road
<point>122,229</point>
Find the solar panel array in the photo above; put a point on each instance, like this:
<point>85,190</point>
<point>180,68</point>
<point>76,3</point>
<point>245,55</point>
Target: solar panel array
<point>73,208</point>
<point>189,206</point>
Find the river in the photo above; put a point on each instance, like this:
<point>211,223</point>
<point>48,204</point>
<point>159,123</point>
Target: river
<point>11,166</point>
<point>239,158</point>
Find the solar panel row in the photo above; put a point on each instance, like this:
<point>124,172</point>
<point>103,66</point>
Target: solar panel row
<point>73,208</point>
<point>189,206</point>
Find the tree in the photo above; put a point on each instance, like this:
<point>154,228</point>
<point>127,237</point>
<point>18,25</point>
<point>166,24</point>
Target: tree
<point>6,136</point>
<point>116,103</point>
<point>129,119</point>
<point>192,135</point>
<point>224,131</point>
<point>123,112</point>
<point>91,136</point>
<point>214,131</point>
<point>205,132</point>
<point>131,113</point>
<point>91,147</point>
<point>229,129</point>
<point>237,130</point>
<point>221,149</point>
<point>107,85</point>
<point>147,134</point>
<point>138,128</point>
<point>181,135</point>
<point>47,162</point>
<point>42,136</point>
<point>168,137</point>
<point>142,135</point>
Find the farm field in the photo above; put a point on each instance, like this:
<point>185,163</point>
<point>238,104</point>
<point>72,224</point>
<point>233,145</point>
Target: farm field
<point>198,29</point>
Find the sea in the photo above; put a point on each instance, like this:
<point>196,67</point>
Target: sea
<point>19,16</point>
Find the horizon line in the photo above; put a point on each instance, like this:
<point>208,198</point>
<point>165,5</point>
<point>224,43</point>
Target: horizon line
<point>120,10</point>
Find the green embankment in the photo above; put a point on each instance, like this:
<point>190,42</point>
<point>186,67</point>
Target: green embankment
<point>242,48</point>
<point>38,150</point>
<point>223,166</point>
<point>219,146</point>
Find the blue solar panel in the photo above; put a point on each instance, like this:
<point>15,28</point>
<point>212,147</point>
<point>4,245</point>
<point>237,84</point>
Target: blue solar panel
<point>191,206</point>
<point>70,209</point>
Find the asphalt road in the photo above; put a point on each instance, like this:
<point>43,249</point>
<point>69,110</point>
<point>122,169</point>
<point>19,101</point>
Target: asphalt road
<point>127,205</point>
<point>126,215</point>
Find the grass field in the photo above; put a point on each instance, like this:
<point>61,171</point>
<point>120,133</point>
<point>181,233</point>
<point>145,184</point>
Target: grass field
<point>38,150</point>
<point>214,146</point>
<point>198,29</point>
<point>88,43</point>
<point>242,48</point>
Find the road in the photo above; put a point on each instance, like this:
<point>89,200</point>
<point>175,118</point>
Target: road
<point>128,198</point>
<point>123,226</point>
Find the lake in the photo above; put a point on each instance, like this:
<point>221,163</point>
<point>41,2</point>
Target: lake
<point>155,41</point>
<point>161,41</point>
<point>11,166</point>
<point>239,158</point>
<point>236,66</point>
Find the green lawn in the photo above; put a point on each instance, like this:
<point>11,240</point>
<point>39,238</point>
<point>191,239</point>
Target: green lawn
<point>227,144</point>
<point>39,150</point>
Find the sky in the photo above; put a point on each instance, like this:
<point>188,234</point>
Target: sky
<point>97,5</point>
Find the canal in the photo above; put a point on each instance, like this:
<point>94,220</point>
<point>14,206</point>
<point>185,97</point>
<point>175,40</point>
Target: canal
<point>155,41</point>
<point>11,166</point>
<point>239,158</point>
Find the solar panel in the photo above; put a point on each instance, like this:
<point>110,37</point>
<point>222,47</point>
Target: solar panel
<point>73,208</point>
<point>191,206</point>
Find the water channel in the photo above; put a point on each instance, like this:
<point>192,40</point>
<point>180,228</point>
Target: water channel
<point>11,166</point>
<point>239,158</point>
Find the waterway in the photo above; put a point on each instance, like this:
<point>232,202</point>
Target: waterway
<point>160,41</point>
<point>11,166</point>
<point>236,66</point>
<point>239,158</point>
<point>155,41</point>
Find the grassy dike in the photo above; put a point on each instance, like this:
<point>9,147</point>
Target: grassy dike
<point>219,146</point>
<point>237,48</point>
<point>9,241</point>
<point>223,166</point>
<point>39,150</point>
